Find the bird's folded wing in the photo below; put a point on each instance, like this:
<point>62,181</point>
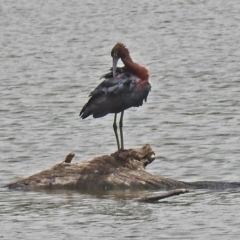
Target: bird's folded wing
<point>119,70</point>
<point>113,86</point>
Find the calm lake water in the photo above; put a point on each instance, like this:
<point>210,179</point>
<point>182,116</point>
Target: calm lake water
<point>52,55</point>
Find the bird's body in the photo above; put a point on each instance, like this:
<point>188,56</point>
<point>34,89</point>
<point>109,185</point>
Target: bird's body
<point>122,88</point>
<point>115,95</point>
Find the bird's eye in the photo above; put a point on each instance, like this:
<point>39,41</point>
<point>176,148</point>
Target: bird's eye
<point>115,54</point>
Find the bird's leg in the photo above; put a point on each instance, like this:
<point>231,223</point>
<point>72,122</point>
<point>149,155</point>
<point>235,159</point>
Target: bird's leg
<point>121,131</point>
<point>115,130</point>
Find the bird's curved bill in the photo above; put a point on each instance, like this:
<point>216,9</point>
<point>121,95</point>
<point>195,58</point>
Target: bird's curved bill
<point>114,67</point>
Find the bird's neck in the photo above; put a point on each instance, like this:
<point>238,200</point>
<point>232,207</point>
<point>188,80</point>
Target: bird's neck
<point>135,68</point>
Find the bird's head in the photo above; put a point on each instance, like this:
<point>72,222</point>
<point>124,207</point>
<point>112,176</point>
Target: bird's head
<point>118,51</point>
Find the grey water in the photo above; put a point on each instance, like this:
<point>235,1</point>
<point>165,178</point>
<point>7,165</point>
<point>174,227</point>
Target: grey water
<point>52,54</point>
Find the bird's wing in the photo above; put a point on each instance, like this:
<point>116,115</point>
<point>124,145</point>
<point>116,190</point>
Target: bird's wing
<point>108,75</point>
<point>115,95</point>
<point>112,85</point>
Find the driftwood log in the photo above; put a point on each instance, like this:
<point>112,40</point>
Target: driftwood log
<point>120,170</point>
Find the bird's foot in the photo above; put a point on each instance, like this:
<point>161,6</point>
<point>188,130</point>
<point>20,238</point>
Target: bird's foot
<point>122,150</point>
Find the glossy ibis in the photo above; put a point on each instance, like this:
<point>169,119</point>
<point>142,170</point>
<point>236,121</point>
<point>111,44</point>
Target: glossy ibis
<point>122,88</point>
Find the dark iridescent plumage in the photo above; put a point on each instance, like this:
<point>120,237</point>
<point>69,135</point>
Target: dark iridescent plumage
<point>115,95</point>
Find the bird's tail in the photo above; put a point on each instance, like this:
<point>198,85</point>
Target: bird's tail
<point>84,113</point>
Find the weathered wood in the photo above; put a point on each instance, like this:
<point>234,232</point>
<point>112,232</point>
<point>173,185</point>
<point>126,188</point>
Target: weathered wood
<point>69,158</point>
<point>120,170</point>
<point>156,197</point>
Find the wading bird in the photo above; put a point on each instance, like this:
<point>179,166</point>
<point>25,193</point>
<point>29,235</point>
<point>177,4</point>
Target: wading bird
<point>122,88</point>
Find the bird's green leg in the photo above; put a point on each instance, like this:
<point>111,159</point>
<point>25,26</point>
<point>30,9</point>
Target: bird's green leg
<point>115,130</point>
<point>121,131</point>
